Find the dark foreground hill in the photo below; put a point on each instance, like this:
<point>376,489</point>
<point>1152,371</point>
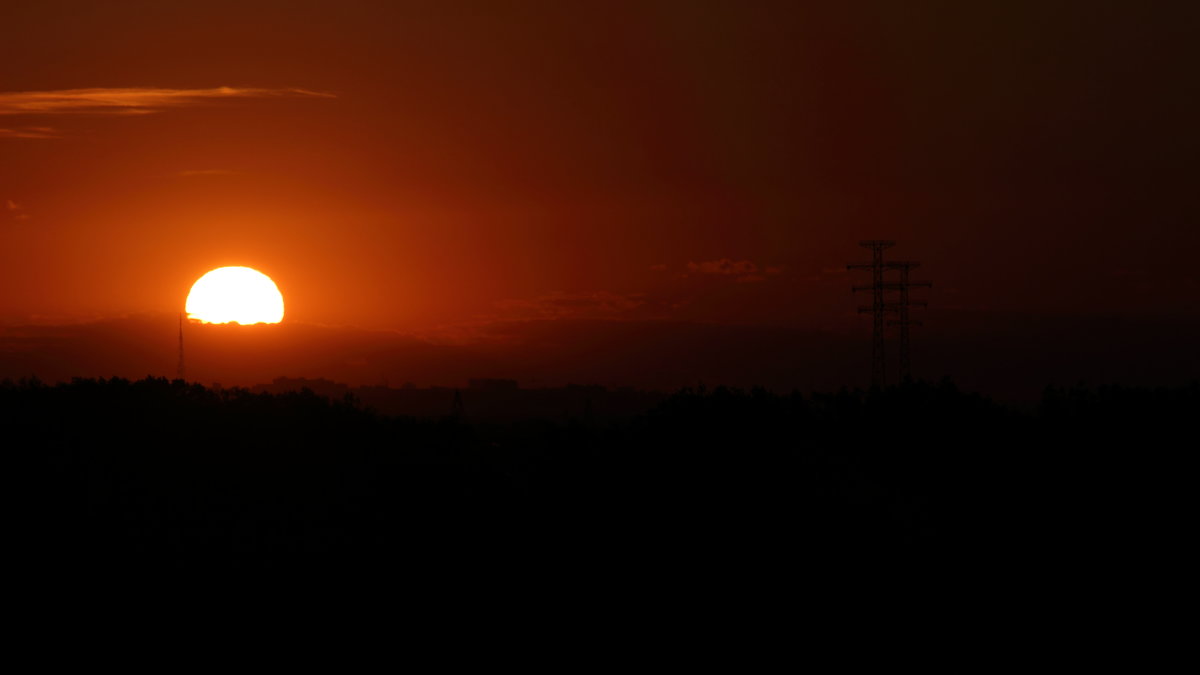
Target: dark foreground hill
<point>156,474</point>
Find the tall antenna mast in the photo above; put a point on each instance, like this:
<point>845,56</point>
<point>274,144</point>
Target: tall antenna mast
<point>179,373</point>
<point>457,411</point>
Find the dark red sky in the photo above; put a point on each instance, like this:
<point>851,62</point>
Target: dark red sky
<point>443,171</point>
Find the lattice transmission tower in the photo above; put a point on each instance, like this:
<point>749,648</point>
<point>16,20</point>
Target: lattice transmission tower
<point>880,305</point>
<point>877,306</point>
<point>901,308</point>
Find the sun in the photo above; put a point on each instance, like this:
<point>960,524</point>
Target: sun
<point>235,295</point>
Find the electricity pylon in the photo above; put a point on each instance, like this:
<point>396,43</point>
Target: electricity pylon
<point>901,307</point>
<point>877,307</point>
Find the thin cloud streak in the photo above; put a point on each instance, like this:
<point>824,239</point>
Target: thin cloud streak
<point>208,172</point>
<point>133,100</point>
<point>744,270</point>
<point>29,132</point>
<point>15,210</point>
<point>561,305</point>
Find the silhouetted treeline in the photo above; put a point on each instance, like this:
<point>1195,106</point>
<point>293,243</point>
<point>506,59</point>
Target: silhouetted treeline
<point>486,400</point>
<point>164,473</point>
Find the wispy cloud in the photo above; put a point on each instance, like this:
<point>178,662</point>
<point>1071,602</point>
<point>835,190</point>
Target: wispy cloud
<point>208,172</point>
<point>498,327</point>
<point>744,271</point>
<point>723,267</point>
<point>29,132</point>
<point>15,210</point>
<point>131,100</point>
<point>561,305</point>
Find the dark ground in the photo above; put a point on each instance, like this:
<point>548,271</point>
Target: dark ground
<point>115,476</point>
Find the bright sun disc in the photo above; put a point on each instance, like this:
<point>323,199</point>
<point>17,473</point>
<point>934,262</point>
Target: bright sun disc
<point>235,295</point>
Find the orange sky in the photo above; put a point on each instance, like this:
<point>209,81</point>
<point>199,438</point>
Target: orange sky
<point>416,167</point>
